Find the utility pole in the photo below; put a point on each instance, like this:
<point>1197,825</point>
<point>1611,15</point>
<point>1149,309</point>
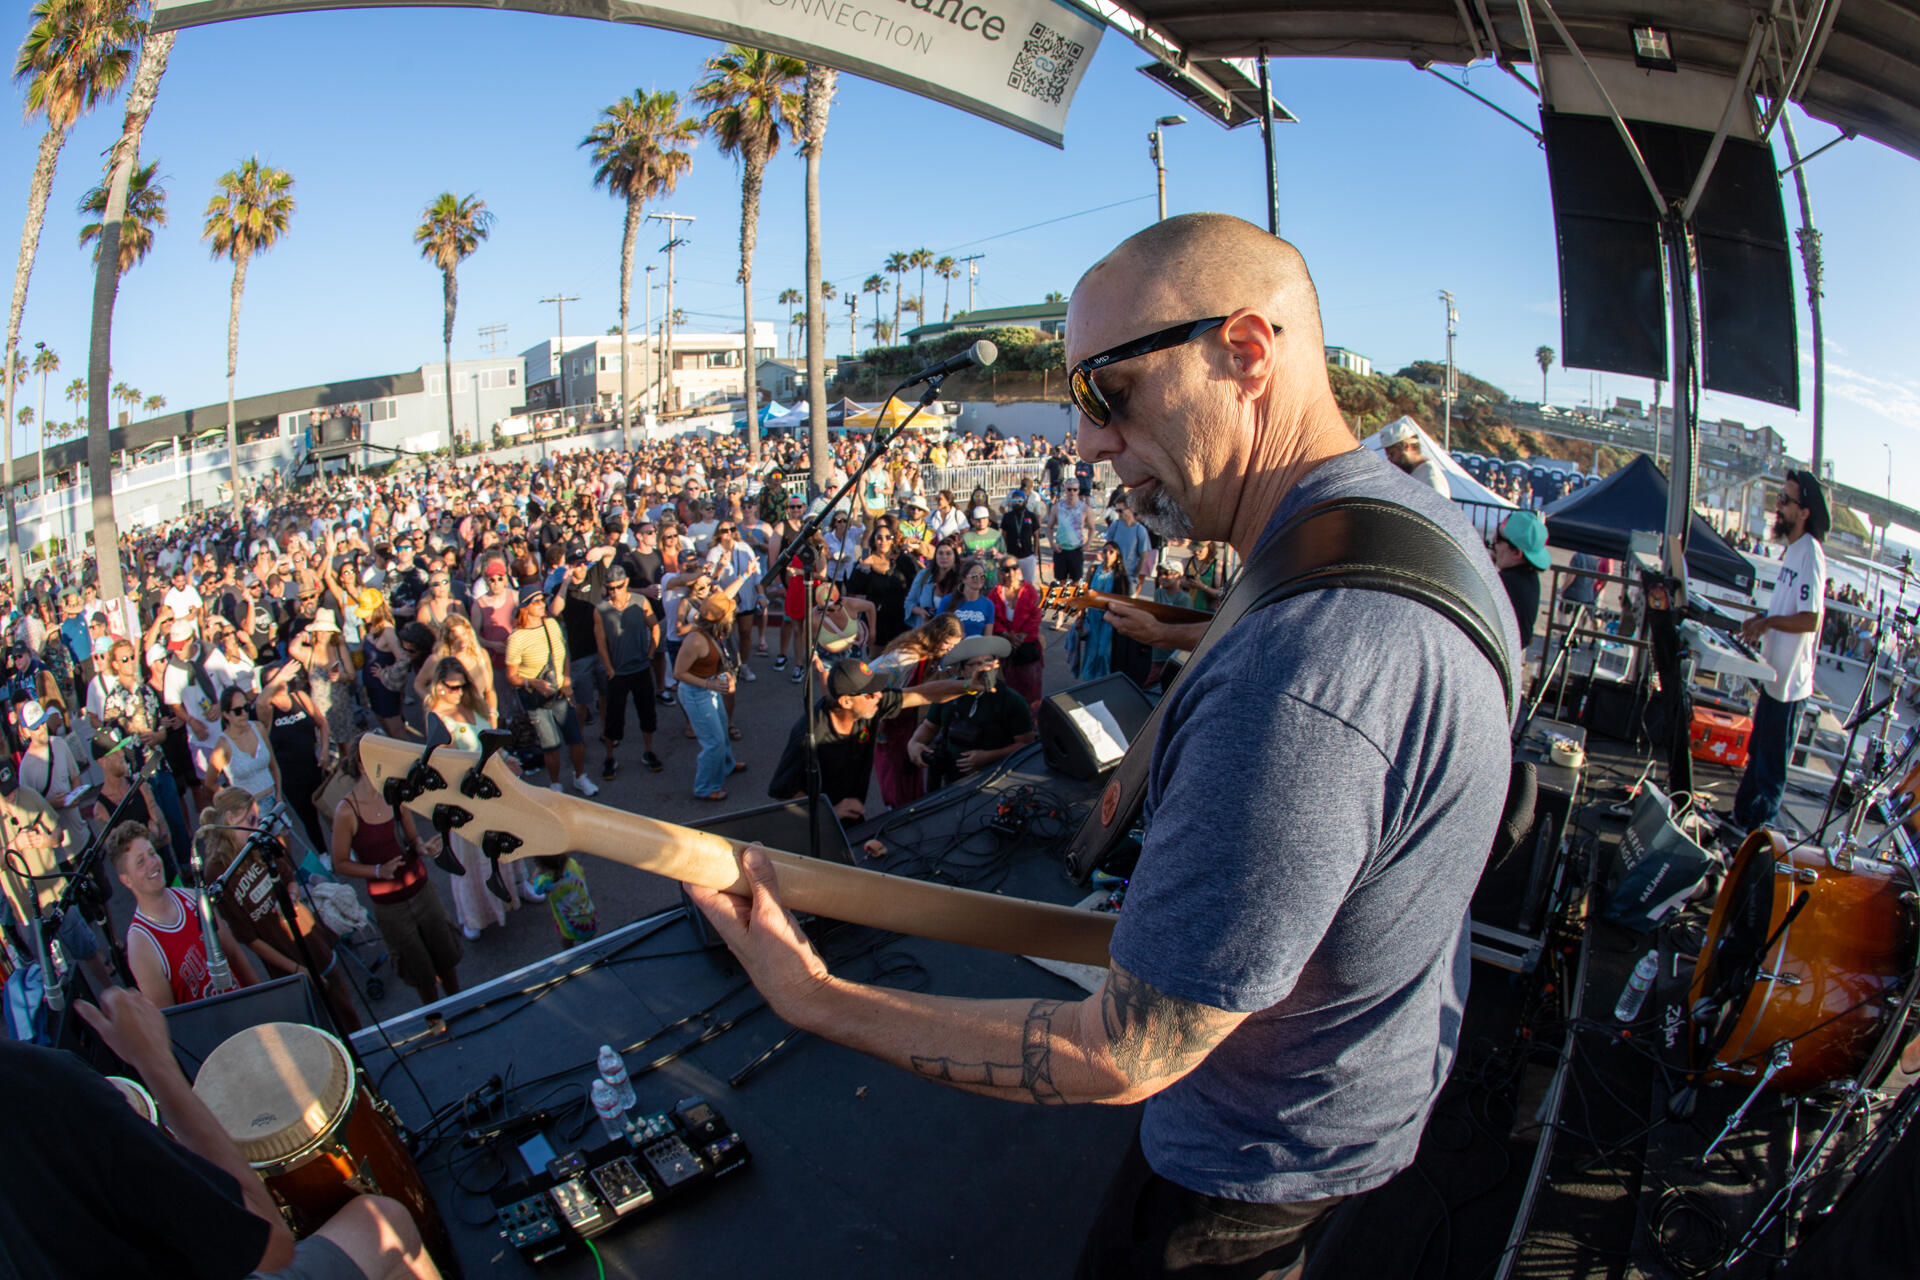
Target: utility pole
<point>492,338</point>
<point>1157,148</point>
<point>973,272</point>
<point>650,349</point>
<point>559,301</point>
<point>1453,328</point>
<point>674,241</point>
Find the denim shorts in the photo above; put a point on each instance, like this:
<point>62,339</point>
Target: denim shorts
<point>555,723</point>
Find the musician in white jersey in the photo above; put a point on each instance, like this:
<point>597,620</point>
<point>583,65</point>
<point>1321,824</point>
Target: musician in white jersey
<point>1787,634</point>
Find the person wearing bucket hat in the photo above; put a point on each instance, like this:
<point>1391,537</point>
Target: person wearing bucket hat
<point>1520,553</point>
<point>1788,634</point>
<point>1401,443</point>
<point>978,730</point>
<point>857,700</point>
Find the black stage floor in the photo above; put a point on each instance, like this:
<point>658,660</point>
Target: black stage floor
<point>858,1169</point>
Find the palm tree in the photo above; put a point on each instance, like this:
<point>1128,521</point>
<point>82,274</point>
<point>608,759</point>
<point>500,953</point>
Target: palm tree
<point>45,362</point>
<point>791,298</point>
<point>146,210</point>
<point>914,306</point>
<point>949,270</point>
<point>451,229</point>
<point>815,102</point>
<point>921,258</point>
<point>1545,356</point>
<point>876,286</point>
<point>752,101</point>
<point>897,265</point>
<point>77,53</point>
<point>638,148</point>
<point>248,214</point>
<point>77,392</point>
<point>154,404</point>
<point>155,50</point>
<point>882,331</point>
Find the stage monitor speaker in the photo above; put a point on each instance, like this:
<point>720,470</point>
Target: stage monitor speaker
<point>1086,729</point>
<point>1612,286</point>
<point>1512,893</point>
<point>780,826</point>
<point>201,1026</point>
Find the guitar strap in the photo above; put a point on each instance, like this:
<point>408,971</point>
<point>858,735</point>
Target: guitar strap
<point>1358,543</point>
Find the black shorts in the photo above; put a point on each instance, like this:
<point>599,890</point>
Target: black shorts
<point>639,687</point>
<point>1148,1226</point>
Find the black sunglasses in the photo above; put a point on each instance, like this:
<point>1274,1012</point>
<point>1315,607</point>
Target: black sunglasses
<point>1087,395</point>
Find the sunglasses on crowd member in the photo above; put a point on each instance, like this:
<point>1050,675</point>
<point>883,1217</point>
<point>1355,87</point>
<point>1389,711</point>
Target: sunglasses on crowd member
<point>727,528</point>
<point>452,687</point>
<point>1087,395</point>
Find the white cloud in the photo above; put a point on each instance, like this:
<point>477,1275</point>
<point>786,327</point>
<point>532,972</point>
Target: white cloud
<point>1896,399</point>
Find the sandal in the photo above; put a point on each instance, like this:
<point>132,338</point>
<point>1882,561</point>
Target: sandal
<point>739,766</point>
<point>733,733</point>
<point>716,796</point>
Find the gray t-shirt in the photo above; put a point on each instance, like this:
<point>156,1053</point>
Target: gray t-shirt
<point>1324,792</point>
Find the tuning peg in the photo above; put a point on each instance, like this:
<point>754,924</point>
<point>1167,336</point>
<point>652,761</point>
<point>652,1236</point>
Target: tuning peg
<point>445,818</point>
<point>421,777</point>
<point>496,844</point>
<point>396,792</point>
<point>476,784</point>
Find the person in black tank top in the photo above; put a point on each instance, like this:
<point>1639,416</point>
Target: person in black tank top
<point>298,739</point>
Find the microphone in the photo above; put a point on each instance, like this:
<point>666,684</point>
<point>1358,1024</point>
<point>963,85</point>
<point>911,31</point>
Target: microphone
<point>980,355</point>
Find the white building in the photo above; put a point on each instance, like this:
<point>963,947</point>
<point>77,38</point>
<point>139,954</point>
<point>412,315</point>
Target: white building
<point>1351,361</point>
<point>567,372</point>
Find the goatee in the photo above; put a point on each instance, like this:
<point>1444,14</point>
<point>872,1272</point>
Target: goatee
<point>1782,528</point>
<point>1162,514</point>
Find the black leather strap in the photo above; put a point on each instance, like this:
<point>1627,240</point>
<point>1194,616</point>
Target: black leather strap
<point>1358,543</point>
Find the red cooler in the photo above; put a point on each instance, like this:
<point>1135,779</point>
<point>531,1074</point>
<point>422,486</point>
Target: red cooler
<point>1721,737</point>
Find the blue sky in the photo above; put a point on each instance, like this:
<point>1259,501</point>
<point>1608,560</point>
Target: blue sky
<point>1395,186</point>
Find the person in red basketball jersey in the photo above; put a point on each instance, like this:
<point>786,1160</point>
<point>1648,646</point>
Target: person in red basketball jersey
<point>165,946</point>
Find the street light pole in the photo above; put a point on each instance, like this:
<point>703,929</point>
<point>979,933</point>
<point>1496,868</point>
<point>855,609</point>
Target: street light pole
<point>1157,148</point>
<point>651,354</point>
<point>674,241</point>
<point>559,301</point>
<point>1448,391</point>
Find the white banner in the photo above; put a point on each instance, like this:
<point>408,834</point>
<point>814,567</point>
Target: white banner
<point>1016,62</point>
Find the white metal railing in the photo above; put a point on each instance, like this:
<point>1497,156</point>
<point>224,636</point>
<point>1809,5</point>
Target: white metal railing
<point>1000,475</point>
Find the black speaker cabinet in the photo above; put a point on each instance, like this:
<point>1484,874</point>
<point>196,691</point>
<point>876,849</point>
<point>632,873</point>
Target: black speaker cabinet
<point>1065,740</point>
<point>781,826</point>
<point>201,1026</point>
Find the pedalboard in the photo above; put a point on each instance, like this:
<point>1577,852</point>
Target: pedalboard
<point>663,1157</point>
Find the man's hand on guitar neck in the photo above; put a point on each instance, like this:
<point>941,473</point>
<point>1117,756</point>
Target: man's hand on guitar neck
<point>1141,626</point>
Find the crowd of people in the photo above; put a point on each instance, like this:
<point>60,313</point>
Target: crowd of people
<point>561,600</point>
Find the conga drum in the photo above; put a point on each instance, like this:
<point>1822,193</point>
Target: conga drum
<point>291,1100</point>
<point>137,1097</point>
<point>1803,953</point>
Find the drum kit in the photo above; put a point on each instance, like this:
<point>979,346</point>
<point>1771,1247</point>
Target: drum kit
<point>1811,969</point>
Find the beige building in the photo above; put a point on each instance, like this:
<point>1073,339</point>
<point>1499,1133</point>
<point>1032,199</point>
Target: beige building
<point>585,372</point>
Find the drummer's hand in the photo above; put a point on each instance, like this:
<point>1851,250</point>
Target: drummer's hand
<point>765,938</point>
<point>133,1028</point>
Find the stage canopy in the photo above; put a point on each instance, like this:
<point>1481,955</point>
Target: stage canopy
<point>1602,519</point>
<point>1851,65</point>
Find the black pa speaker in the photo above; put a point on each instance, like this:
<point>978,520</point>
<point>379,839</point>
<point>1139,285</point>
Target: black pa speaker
<point>201,1026</point>
<point>1078,725</point>
<point>780,826</point>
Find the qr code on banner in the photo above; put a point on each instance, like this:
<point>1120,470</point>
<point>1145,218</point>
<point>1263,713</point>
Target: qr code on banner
<point>1045,63</point>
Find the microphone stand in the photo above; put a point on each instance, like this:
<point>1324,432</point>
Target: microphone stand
<point>808,527</point>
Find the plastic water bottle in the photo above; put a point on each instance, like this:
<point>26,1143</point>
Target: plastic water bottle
<point>613,1069</point>
<point>606,1104</point>
<point>1639,982</point>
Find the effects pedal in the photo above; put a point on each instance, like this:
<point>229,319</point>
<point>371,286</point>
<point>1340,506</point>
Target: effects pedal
<point>621,1186</point>
<point>673,1161</point>
<point>529,1226</point>
<point>577,1205</point>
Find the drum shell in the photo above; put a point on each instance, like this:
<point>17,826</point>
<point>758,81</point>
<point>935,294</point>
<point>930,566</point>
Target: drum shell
<point>1850,948</point>
<point>363,1154</point>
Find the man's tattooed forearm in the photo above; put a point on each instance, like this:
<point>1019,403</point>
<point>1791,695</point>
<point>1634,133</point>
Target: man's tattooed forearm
<point>1032,1075</point>
<point>1153,1036</point>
